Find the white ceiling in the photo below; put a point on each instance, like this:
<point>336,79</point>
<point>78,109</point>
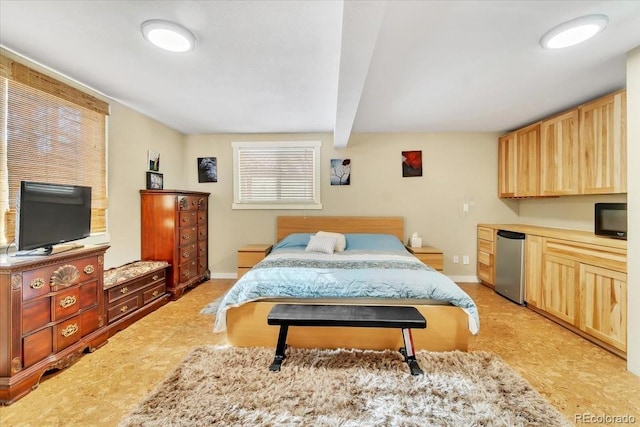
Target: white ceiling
<point>330,66</point>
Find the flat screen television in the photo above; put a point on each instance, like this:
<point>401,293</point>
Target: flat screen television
<point>51,214</point>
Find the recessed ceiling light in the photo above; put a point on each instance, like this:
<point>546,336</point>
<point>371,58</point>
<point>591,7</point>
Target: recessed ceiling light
<point>573,32</point>
<point>168,35</point>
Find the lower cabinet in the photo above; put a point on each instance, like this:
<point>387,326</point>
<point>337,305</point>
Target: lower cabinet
<point>560,288</point>
<point>572,277</point>
<point>603,305</point>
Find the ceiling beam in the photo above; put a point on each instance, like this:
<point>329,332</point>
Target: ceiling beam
<point>361,22</point>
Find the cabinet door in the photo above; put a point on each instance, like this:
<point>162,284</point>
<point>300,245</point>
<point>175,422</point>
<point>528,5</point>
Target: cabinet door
<point>533,271</point>
<point>603,145</point>
<point>560,288</point>
<point>528,166</point>
<point>603,305</point>
<point>559,150</point>
<point>507,163</point>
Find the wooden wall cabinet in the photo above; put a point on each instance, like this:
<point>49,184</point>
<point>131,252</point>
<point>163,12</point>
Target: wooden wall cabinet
<point>486,251</point>
<point>51,311</point>
<point>175,230</point>
<point>581,151</point>
<point>507,165</point>
<point>559,165</point>
<point>603,145</point>
<point>528,166</point>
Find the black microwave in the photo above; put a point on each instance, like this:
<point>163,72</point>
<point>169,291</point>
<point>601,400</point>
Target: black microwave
<point>611,220</point>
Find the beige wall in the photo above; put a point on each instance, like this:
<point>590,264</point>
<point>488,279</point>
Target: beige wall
<point>457,168</point>
<point>633,177</point>
<point>130,136</point>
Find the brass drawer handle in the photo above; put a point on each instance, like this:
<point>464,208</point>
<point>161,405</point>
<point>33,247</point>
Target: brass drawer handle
<point>155,293</point>
<point>185,219</point>
<point>185,254</point>
<point>124,290</point>
<point>124,308</point>
<point>69,330</point>
<point>155,277</point>
<point>37,283</point>
<point>89,269</point>
<point>68,301</point>
<point>185,236</point>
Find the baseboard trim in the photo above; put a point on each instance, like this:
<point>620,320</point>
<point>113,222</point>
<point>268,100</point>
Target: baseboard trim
<point>464,279</point>
<point>224,275</point>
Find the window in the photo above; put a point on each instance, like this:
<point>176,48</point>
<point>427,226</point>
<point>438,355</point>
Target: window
<point>49,132</point>
<point>276,175</point>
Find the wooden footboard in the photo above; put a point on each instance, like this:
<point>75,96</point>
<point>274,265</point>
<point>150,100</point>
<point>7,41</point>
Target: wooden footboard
<point>446,330</point>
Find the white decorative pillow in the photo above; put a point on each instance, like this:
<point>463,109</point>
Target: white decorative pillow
<point>321,244</point>
<point>341,241</point>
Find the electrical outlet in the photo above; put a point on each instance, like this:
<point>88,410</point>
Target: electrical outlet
<point>465,259</point>
<point>456,259</point>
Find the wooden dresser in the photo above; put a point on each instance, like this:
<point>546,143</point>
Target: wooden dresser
<point>174,229</point>
<point>51,311</point>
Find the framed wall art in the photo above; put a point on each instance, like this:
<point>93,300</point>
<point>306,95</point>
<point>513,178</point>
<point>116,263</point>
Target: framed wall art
<point>154,181</point>
<point>207,169</point>
<point>411,163</point>
<point>340,171</point>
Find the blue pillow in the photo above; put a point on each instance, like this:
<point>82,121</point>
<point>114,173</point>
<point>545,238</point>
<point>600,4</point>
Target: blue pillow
<point>294,240</point>
<point>373,242</point>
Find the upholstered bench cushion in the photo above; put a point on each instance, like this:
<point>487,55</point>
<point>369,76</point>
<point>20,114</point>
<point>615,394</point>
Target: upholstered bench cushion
<point>126,272</point>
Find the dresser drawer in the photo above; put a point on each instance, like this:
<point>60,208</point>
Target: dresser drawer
<point>36,282</point>
<point>66,303</point>
<point>123,307</point>
<point>188,218</point>
<point>89,321</point>
<point>188,270</point>
<point>186,253</point>
<point>203,264</point>
<point>202,217</point>
<point>36,347</point>
<point>153,292</point>
<point>35,314</point>
<point>188,203</point>
<point>66,333</point>
<point>187,235</point>
<point>88,294</point>
<point>74,272</point>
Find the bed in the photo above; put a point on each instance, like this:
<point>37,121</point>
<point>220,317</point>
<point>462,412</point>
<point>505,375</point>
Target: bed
<point>339,277</point>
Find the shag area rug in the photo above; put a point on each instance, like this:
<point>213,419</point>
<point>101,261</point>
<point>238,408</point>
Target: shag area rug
<point>231,386</point>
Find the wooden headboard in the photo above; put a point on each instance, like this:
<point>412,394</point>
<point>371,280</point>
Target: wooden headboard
<point>340,224</point>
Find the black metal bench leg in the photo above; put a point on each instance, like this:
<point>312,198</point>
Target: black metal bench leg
<point>280,349</point>
<point>409,354</point>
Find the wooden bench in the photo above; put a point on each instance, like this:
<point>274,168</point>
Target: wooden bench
<point>359,316</point>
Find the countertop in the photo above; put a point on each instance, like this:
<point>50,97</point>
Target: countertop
<point>561,233</point>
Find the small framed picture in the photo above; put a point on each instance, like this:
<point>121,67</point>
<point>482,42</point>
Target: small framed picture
<point>154,181</point>
<point>154,160</point>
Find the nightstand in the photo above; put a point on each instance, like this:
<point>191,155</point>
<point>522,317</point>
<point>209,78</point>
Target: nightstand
<point>250,255</point>
<point>429,255</point>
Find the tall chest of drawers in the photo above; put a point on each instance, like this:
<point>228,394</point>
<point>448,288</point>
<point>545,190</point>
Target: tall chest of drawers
<point>174,229</point>
<point>51,310</point>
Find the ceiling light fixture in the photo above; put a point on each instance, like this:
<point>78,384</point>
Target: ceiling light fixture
<point>168,35</point>
<point>573,32</point>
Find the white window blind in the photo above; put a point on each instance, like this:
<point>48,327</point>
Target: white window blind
<point>53,133</point>
<point>277,175</point>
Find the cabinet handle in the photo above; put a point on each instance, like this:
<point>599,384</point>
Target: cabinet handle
<point>69,330</point>
<point>155,293</point>
<point>124,290</point>
<point>185,236</point>
<point>37,283</point>
<point>185,219</point>
<point>68,301</point>
<point>124,308</point>
<point>88,269</point>
<point>185,254</point>
<point>155,277</point>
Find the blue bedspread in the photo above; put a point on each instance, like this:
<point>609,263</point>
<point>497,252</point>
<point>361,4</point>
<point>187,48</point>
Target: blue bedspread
<point>293,273</point>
